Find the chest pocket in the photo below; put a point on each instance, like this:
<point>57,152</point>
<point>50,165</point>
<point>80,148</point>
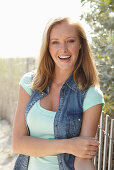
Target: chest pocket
<point>74,121</point>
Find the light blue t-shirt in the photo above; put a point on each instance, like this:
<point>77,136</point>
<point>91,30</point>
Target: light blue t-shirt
<point>93,96</point>
<point>41,123</point>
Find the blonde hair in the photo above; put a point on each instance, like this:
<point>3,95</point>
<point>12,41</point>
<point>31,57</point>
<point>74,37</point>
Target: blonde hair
<point>85,74</point>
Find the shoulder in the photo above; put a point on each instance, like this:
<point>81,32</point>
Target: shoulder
<point>26,81</point>
<point>94,91</point>
<point>93,97</point>
<point>28,76</point>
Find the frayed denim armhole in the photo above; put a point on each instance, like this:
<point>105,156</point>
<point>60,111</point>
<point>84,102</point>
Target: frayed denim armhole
<point>83,96</point>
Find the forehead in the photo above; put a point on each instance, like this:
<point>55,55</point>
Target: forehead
<point>63,29</point>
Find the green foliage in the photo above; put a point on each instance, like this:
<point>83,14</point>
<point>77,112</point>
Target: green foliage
<point>107,2</point>
<point>100,18</point>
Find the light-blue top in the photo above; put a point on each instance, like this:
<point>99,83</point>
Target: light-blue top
<point>41,121</point>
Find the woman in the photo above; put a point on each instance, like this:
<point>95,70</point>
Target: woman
<point>57,117</point>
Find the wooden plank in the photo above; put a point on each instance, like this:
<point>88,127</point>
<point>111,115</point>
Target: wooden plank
<point>95,158</point>
<point>106,142</point>
<point>101,142</point>
<point>111,145</point>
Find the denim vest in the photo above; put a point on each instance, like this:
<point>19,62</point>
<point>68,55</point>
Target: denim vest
<point>67,121</point>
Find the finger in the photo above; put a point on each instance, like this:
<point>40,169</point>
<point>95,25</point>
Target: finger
<point>90,151</point>
<point>92,155</point>
<point>94,143</point>
<point>93,148</point>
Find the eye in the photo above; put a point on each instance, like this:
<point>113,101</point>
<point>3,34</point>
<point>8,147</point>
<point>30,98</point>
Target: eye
<point>71,41</point>
<point>54,42</point>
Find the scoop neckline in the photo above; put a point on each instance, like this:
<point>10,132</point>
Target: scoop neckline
<point>43,109</point>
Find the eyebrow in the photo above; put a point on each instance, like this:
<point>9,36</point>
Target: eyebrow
<point>66,38</point>
<point>54,39</point>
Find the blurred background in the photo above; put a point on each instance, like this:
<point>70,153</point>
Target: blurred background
<point>21,27</point>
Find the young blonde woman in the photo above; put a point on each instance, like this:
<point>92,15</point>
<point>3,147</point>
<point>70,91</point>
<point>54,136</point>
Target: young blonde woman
<point>59,104</point>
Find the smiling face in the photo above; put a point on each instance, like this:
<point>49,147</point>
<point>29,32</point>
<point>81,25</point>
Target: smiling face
<point>64,46</point>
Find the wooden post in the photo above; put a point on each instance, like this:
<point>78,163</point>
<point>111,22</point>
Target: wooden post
<point>27,64</point>
<point>106,142</point>
<point>111,145</point>
<point>95,158</point>
<point>101,142</point>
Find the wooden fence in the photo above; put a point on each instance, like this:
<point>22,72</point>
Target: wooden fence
<point>11,71</point>
<point>104,159</point>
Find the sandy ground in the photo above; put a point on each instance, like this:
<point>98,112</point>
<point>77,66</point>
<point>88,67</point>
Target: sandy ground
<point>7,158</point>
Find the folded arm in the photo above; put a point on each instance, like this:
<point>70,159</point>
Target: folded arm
<point>90,122</point>
<point>28,145</point>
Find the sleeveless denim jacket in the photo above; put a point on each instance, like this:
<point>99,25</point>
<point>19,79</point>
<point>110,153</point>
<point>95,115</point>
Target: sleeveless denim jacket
<point>67,121</point>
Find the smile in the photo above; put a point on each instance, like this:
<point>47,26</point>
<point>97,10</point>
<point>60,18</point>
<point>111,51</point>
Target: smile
<point>64,57</point>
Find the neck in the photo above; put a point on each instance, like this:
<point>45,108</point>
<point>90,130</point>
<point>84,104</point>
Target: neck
<point>60,76</point>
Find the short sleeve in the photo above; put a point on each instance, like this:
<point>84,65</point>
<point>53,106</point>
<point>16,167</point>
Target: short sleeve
<point>25,82</point>
<point>93,97</point>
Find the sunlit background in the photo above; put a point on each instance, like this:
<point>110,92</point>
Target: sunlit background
<point>22,23</point>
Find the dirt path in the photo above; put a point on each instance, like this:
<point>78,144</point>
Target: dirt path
<point>7,158</point>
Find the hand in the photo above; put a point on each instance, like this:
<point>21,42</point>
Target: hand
<point>83,147</point>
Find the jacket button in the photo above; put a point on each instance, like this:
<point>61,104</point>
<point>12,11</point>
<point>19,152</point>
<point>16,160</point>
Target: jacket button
<point>79,119</point>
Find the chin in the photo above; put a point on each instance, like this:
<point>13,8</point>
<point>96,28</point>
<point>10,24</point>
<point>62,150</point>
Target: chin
<point>67,69</point>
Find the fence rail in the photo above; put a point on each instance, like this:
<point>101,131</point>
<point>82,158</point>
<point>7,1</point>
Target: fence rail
<point>104,159</point>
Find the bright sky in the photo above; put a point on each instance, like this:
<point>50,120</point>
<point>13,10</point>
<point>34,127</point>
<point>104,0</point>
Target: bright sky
<point>22,23</point>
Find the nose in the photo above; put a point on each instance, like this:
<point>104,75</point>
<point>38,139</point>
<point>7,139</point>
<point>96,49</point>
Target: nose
<point>63,47</point>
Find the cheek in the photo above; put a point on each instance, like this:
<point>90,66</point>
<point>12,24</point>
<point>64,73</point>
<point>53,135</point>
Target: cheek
<point>76,48</point>
<point>52,51</point>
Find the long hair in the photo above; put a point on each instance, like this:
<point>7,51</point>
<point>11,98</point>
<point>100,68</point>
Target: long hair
<point>85,74</point>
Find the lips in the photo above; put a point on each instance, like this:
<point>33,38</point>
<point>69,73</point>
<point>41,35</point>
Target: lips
<point>64,57</point>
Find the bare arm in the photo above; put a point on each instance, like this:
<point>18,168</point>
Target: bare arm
<point>28,145</point>
<point>90,122</point>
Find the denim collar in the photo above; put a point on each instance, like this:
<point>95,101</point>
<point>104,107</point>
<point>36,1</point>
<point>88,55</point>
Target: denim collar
<point>71,83</point>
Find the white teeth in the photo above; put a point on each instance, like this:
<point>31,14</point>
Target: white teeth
<point>64,56</point>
